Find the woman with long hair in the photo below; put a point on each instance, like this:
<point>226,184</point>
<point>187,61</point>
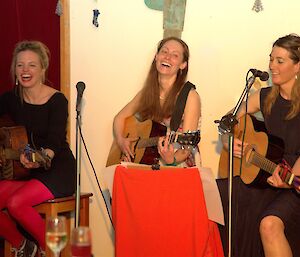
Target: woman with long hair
<point>156,101</point>
<point>266,218</point>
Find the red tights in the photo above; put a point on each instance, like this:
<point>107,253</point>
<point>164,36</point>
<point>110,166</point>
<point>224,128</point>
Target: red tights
<point>17,199</point>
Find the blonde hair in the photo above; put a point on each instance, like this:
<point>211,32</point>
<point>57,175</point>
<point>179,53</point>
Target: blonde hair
<point>35,46</point>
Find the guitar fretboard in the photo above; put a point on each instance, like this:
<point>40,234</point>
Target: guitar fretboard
<point>175,137</point>
<point>269,166</point>
<point>261,162</point>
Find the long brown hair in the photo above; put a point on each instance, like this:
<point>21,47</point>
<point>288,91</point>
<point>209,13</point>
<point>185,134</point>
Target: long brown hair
<point>291,43</point>
<point>149,106</point>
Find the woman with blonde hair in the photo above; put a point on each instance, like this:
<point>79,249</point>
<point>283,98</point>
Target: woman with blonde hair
<point>43,111</point>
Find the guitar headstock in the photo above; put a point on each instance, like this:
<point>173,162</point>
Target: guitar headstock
<point>287,176</point>
<point>39,156</point>
<point>296,184</point>
<point>191,138</point>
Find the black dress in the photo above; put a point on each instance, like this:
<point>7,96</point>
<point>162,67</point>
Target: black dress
<point>46,127</point>
<point>251,203</point>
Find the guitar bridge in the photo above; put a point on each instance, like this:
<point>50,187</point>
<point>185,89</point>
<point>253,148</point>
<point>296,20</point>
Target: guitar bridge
<point>155,165</point>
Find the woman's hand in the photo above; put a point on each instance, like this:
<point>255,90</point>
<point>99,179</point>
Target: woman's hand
<point>28,164</point>
<point>275,180</point>
<point>125,147</point>
<point>166,150</point>
<point>237,146</point>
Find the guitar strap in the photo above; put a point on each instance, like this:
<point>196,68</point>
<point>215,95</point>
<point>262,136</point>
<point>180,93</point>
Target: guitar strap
<point>180,105</point>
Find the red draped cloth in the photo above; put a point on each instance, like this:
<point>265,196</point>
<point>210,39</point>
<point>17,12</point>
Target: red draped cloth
<point>162,214</point>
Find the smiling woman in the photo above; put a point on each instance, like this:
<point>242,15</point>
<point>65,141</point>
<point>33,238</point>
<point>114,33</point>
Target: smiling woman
<point>271,212</point>
<point>33,105</point>
<point>156,102</point>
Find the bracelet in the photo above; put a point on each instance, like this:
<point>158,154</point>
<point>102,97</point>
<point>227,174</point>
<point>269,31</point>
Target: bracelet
<point>174,163</point>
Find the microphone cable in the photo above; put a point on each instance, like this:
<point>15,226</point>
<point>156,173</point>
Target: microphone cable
<point>99,186</point>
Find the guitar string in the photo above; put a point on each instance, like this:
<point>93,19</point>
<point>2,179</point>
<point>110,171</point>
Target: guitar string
<point>269,166</point>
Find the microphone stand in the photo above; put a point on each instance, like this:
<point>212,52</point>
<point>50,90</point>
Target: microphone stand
<point>226,127</point>
<point>78,168</point>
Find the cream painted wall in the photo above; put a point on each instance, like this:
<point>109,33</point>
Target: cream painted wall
<point>226,39</point>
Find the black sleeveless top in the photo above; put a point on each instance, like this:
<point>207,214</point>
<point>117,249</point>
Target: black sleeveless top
<point>277,125</point>
<point>46,127</point>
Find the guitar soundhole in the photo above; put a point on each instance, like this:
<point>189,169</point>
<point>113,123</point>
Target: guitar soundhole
<point>151,153</point>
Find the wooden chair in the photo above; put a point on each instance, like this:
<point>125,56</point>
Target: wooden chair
<point>61,206</point>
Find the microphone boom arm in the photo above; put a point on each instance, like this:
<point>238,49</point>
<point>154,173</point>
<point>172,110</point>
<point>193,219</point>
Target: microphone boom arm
<point>228,121</point>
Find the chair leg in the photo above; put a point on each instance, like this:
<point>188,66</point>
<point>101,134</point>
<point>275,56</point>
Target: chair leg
<point>52,210</point>
<point>84,212</point>
<point>7,249</point>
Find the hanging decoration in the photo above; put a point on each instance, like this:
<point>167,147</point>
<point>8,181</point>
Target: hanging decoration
<point>257,6</point>
<point>173,15</point>
<point>95,17</point>
<point>59,9</point>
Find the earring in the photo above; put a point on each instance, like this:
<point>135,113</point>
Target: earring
<point>296,77</point>
<point>17,82</point>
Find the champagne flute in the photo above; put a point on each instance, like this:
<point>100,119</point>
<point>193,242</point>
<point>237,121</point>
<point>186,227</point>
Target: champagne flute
<point>81,242</point>
<point>56,234</point>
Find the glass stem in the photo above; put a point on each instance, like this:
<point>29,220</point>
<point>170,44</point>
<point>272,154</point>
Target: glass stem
<point>56,254</point>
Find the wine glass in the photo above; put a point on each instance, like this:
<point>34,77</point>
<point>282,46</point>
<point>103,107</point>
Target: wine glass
<point>81,242</point>
<point>56,234</point>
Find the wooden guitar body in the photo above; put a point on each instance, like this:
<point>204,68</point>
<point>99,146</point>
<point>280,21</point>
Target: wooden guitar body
<point>145,148</point>
<point>12,141</point>
<point>267,147</point>
<point>140,130</point>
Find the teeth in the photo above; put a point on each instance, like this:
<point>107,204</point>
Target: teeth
<point>25,76</point>
<point>166,64</point>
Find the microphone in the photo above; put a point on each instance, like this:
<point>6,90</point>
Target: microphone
<point>80,88</point>
<point>262,75</point>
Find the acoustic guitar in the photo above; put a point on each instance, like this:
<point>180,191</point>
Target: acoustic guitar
<point>145,148</point>
<point>261,157</point>
<point>13,142</point>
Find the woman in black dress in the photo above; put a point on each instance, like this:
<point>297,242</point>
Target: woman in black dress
<point>43,111</point>
<point>266,220</point>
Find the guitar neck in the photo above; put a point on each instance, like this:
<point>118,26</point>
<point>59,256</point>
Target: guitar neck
<point>12,154</point>
<point>153,141</point>
<point>262,162</point>
<point>269,166</point>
